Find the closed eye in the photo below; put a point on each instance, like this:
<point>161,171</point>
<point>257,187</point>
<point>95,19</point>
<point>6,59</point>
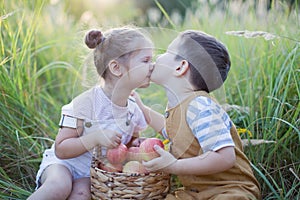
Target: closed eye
<point>147,59</point>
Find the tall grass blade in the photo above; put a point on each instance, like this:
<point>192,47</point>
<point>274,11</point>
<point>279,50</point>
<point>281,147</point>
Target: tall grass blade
<point>165,14</point>
<point>261,174</point>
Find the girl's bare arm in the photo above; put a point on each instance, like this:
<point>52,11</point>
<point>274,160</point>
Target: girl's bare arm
<point>70,143</point>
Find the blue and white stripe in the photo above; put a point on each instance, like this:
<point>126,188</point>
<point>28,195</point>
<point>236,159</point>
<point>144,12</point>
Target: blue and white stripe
<point>209,123</point>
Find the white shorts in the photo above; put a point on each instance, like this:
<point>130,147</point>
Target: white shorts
<point>77,169</point>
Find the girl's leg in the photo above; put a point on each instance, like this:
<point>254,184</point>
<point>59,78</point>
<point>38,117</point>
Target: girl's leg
<point>56,184</point>
<point>81,189</point>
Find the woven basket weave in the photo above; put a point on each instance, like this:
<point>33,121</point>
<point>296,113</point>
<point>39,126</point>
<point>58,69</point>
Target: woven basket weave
<point>118,185</point>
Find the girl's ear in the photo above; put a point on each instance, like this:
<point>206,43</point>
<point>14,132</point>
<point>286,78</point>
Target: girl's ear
<point>182,68</point>
<point>115,68</point>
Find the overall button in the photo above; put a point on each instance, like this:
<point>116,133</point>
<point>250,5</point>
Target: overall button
<point>167,113</point>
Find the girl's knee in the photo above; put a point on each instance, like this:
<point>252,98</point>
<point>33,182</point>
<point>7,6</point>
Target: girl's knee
<point>52,190</point>
<point>61,188</point>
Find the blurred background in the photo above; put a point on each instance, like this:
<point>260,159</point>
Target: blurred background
<point>44,64</point>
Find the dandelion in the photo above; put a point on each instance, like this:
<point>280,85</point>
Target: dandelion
<point>166,141</point>
<point>243,130</point>
<point>167,144</point>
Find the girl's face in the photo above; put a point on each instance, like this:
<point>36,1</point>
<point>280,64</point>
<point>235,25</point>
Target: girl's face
<point>166,64</point>
<point>139,69</point>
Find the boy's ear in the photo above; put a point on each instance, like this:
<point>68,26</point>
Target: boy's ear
<point>182,68</point>
<point>115,68</point>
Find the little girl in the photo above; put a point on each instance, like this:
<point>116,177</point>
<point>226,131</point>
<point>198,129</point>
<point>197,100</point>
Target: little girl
<point>103,115</point>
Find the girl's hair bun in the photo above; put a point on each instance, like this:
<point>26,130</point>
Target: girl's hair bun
<point>93,38</point>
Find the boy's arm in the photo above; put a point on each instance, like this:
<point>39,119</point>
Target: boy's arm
<point>153,118</point>
<point>208,163</point>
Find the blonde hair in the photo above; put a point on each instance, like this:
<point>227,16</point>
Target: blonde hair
<point>114,44</point>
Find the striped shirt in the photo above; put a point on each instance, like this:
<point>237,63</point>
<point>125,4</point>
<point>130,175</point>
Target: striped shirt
<point>209,123</point>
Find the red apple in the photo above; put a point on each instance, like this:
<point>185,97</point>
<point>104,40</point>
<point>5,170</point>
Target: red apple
<point>134,167</point>
<point>134,154</point>
<point>147,148</point>
<point>107,166</point>
<point>117,155</point>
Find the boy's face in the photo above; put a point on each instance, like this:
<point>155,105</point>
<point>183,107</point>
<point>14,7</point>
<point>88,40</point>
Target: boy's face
<point>166,64</point>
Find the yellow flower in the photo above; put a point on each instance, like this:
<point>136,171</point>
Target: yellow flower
<point>166,141</point>
<point>243,130</point>
<point>167,144</point>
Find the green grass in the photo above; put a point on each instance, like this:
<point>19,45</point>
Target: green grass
<point>41,65</point>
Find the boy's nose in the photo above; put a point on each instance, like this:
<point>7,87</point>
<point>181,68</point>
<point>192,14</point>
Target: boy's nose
<point>158,56</point>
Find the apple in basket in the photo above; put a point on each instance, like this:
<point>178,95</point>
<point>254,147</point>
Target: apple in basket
<point>134,167</point>
<point>147,148</point>
<point>107,166</point>
<point>117,155</point>
<point>134,154</point>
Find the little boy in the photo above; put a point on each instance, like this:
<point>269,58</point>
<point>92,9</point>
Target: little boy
<point>205,151</point>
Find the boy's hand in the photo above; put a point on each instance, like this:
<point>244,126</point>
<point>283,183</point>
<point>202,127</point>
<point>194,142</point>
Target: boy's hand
<point>164,163</point>
<point>137,98</point>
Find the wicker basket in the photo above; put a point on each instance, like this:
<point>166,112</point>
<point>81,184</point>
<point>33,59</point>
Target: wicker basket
<point>118,185</point>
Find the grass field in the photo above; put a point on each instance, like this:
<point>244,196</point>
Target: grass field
<point>43,66</point>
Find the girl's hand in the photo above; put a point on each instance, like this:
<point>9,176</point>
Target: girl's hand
<point>137,141</point>
<point>166,162</point>
<point>109,139</point>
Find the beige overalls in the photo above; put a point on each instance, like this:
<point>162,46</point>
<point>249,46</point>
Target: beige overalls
<point>236,183</point>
